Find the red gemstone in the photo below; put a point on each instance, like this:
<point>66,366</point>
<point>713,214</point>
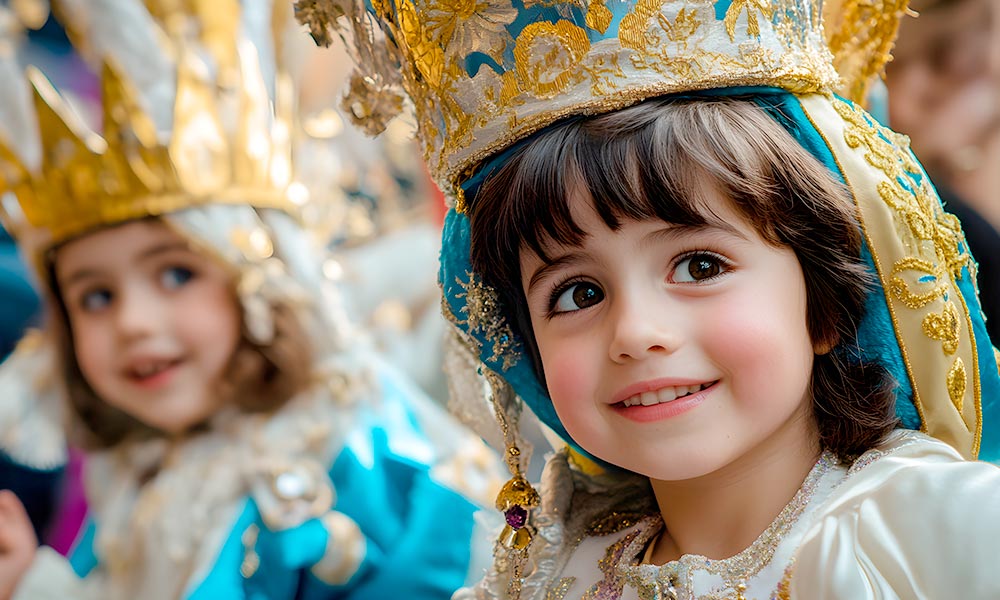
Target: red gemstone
<point>516,516</point>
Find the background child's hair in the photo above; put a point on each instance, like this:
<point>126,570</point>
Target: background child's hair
<point>655,161</point>
<point>258,378</point>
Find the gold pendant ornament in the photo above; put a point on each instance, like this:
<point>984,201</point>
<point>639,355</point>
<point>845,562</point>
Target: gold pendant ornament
<point>515,500</point>
<point>517,497</point>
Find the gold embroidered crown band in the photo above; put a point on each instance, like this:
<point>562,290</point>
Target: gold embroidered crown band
<point>483,76</point>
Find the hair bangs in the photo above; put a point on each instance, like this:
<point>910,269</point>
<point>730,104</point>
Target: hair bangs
<point>528,199</point>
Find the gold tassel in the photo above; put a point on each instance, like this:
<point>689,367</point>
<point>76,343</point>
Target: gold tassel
<point>517,497</point>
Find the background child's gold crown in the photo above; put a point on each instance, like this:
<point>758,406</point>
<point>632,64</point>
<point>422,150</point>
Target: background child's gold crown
<point>227,142</point>
<point>483,74</point>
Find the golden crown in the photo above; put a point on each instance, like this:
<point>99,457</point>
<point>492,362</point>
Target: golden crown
<point>227,142</point>
<point>482,74</point>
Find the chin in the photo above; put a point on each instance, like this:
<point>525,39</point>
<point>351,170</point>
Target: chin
<point>180,426</point>
<point>169,428</point>
<point>679,467</point>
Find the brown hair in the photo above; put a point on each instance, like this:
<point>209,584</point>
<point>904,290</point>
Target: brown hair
<point>649,162</point>
<point>259,378</point>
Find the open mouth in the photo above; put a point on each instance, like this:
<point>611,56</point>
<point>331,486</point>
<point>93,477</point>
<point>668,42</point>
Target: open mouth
<point>664,395</point>
<point>151,370</point>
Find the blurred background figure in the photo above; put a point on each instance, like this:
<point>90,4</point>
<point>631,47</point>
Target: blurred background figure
<point>19,299</point>
<point>382,216</point>
<point>362,201</point>
<point>944,93</point>
<point>37,479</point>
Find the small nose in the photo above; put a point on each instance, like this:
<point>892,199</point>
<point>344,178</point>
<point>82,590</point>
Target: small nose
<point>136,313</point>
<point>641,328</point>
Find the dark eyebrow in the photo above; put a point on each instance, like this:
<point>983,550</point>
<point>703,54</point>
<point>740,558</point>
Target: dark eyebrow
<point>546,269</point>
<point>163,248</point>
<point>81,275</point>
<point>672,231</point>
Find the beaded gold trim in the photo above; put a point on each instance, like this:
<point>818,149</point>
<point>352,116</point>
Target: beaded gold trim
<point>560,589</point>
<point>612,523</point>
<point>611,584</point>
<point>784,589</point>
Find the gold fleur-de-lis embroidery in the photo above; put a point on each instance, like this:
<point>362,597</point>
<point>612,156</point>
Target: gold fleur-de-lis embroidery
<point>944,327</point>
<point>752,7</point>
<point>683,27</point>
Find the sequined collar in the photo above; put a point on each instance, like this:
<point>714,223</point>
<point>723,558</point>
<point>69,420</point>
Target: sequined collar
<point>673,580</point>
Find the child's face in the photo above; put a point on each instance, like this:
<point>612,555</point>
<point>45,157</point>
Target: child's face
<point>154,323</point>
<point>632,318</point>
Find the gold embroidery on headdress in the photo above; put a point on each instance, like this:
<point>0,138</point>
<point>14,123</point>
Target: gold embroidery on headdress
<point>752,8</point>
<point>956,383</point>
<point>485,319</point>
<point>860,34</point>
<point>478,80</point>
<point>936,257</point>
<point>548,56</point>
<point>598,16</point>
<point>926,276</point>
<point>944,327</point>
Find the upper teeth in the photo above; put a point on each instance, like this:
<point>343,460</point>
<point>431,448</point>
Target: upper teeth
<point>147,369</point>
<point>664,395</point>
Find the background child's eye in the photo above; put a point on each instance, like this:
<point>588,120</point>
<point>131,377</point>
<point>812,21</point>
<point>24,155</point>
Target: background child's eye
<point>95,300</point>
<point>175,277</point>
<point>697,267</point>
<point>578,296</point>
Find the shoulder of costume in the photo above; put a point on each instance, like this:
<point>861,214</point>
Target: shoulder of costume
<point>904,462</point>
<point>903,506</point>
<point>31,414</point>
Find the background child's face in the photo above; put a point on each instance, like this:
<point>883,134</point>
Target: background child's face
<point>154,323</point>
<point>712,315</point>
<point>944,93</point>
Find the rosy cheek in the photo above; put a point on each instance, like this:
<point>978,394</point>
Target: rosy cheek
<point>763,344</point>
<point>214,315</point>
<point>568,377</point>
<point>91,353</point>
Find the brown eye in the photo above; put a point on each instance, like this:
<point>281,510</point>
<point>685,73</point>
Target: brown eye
<point>587,295</point>
<point>578,296</point>
<point>698,267</point>
<point>703,268</point>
